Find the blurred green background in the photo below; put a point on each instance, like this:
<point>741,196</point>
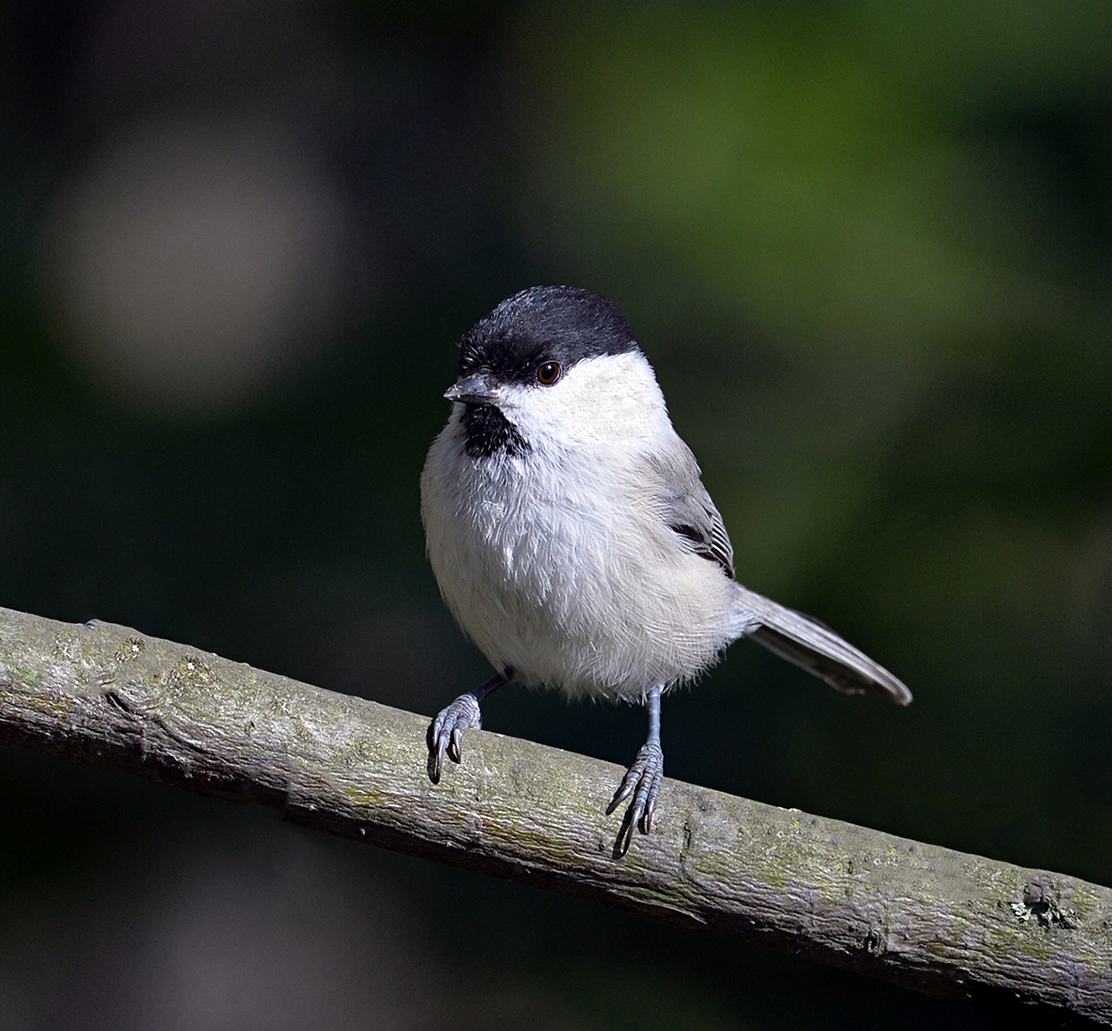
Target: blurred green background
<point>867,246</point>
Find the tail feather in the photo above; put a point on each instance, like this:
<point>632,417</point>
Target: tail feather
<point>814,646</point>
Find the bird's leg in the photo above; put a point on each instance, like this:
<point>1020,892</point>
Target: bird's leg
<point>642,780</point>
<point>445,733</point>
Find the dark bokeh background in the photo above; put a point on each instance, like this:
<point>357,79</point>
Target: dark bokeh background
<point>867,246</point>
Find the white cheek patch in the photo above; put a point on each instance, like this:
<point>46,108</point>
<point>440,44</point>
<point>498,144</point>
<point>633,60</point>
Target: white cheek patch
<point>606,398</point>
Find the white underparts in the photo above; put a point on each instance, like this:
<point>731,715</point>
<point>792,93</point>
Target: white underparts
<point>559,563</point>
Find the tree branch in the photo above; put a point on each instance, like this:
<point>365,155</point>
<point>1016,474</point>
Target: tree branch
<point>922,916</point>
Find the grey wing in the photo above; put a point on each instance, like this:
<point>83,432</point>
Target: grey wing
<point>687,506</point>
<point>799,638</point>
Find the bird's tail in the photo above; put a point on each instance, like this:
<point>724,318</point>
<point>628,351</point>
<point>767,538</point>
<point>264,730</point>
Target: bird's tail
<point>814,646</point>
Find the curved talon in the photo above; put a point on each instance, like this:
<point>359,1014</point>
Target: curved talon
<point>445,733</point>
<point>642,780</point>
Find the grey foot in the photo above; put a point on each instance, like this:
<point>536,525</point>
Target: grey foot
<point>642,781</point>
<point>445,733</point>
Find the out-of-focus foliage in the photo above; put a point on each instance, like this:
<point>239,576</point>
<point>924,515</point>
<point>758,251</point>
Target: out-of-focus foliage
<point>868,247</point>
<point>879,237</point>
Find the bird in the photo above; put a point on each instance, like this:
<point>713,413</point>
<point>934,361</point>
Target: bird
<point>574,542</point>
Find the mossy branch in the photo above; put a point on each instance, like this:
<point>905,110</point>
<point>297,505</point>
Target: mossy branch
<point>919,915</point>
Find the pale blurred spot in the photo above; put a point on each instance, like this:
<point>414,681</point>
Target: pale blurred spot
<point>257,929</point>
<point>296,940</point>
<point>194,264</point>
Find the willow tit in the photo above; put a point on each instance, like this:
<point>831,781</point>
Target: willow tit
<point>574,541</point>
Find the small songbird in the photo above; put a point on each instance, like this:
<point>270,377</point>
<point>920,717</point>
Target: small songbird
<point>574,541</point>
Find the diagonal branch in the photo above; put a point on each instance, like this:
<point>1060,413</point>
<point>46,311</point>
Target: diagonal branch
<point>919,915</point>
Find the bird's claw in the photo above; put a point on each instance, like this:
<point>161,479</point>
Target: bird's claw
<point>445,733</point>
<point>642,780</point>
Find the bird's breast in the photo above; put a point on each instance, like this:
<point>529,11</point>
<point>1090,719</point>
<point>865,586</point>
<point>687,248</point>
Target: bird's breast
<point>557,564</point>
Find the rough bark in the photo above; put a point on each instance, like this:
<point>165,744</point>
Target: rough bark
<point>923,916</point>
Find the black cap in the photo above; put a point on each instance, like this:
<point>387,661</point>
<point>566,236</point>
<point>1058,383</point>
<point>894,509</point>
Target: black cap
<point>544,323</point>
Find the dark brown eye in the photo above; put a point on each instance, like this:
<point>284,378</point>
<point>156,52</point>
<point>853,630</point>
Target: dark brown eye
<point>548,373</point>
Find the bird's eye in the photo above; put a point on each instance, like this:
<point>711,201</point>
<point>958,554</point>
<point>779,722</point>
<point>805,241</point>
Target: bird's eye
<point>548,373</point>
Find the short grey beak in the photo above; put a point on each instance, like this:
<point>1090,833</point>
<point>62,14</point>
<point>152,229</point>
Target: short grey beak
<point>477,389</point>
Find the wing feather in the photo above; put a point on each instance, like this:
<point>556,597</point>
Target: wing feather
<point>688,509</point>
<point>691,515</point>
